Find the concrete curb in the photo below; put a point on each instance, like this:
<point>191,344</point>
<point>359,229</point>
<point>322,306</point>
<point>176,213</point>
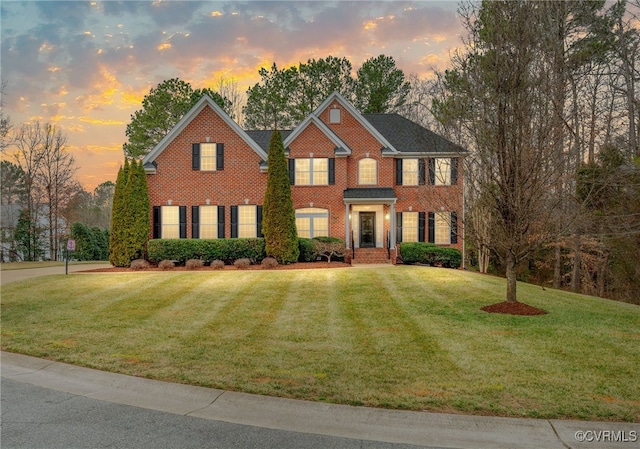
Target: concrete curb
<point>392,426</point>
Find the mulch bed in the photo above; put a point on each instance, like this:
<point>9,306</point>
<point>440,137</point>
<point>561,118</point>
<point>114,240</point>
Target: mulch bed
<point>293,266</point>
<point>513,308</point>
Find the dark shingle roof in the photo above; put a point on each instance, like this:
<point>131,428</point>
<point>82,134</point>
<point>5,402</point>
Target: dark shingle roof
<point>370,193</point>
<point>263,137</point>
<point>407,136</point>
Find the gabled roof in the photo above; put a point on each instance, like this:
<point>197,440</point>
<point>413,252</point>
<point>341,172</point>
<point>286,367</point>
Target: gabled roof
<point>192,114</point>
<point>409,138</point>
<point>341,148</point>
<point>387,148</point>
<point>263,137</point>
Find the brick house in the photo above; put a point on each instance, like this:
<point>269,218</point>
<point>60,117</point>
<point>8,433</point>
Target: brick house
<point>373,180</point>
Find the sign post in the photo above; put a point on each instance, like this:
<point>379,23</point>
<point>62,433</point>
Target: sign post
<point>71,246</point>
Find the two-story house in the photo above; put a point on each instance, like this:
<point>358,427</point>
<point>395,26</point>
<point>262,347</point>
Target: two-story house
<point>374,180</point>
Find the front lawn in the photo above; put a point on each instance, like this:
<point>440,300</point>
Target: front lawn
<point>400,337</point>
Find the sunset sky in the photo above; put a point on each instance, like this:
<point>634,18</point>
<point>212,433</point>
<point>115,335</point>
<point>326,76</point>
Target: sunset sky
<point>85,66</point>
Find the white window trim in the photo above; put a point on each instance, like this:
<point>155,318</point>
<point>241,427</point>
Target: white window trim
<point>208,159</point>
<point>312,181</point>
<point>166,225</point>
<point>375,182</point>
<point>210,226</point>
<point>300,213</point>
<point>442,220</point>
<point>252,225</point>
<point>405,172</point>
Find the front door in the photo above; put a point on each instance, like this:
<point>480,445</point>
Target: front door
<point>367,229</point>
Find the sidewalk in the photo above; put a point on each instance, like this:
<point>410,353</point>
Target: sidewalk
<point>7,276</point>
<point>392,426</point>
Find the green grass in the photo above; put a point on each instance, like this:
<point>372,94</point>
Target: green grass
<point>399,337</point>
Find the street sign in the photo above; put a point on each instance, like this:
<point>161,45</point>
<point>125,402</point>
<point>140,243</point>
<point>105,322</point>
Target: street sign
<point>71,245</point>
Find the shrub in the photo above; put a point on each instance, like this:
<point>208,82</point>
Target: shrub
<point>139,264</point>
<point>307,250</point>
<point>193,264</point>
<point>269,263</point>
<point>206,250</point>
<point>428,253</point>
<point>242,264</point>
<point>329,247</point>
<point>166,264</point>
<point>217,264</point>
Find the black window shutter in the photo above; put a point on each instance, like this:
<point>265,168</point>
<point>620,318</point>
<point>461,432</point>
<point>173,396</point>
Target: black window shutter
<point>220,222</point>
<point>259,221</point>
<point>432,227</point>
<point>195,156</point>
<point>398,172</point>
<point>332,171</point>
<point>195,222</point>
<point>183,222</point>
<point>234,222</point>
<point>421,172</point>
<point>157,222</point>
<point>454,171</point>
<point>292,171</point>
<point>454,227</point>
<point>421,220</point>
<point>220,156</point>
<point>432,171</point>
<point>398,227</point>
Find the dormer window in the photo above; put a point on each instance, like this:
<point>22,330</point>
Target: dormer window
<point>334,115</point>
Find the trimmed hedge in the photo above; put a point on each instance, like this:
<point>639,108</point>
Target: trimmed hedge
<point>227,250</point>
<point>428,253</point>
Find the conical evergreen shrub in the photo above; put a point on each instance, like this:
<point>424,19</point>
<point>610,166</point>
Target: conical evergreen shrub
<point>278,214</point>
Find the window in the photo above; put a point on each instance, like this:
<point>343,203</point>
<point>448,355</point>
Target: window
<point>334,115</point>
<point>410,172</point>
<point>368,171</point>
<point>247,221</point>
<point>312,172</point>
<point>410,226</point>
<point>170,220</point>
<point>208,222</point>
<point>442,228</point>
<point>312,222</point>
<point>442,171</point>
<point>208,156</point>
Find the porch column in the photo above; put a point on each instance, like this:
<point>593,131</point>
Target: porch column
<point>347,221</point>
<point>392,220</point>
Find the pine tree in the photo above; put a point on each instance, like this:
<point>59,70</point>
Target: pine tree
<point>278,215</point>
<point>117,255</point>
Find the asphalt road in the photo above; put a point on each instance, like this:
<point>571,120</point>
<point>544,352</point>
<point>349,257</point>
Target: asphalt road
<point>35,417</point>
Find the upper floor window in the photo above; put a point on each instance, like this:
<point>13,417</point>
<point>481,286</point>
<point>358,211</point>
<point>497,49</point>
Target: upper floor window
<point>312,172</point>
<point>410,172</point>
<point>443,171</point>
<point>368,171</point>
<point>207,156</point>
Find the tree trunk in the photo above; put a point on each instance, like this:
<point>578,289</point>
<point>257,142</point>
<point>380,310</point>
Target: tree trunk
<point>511,276</point>
<point>576,279</point>
<point>557,267</point>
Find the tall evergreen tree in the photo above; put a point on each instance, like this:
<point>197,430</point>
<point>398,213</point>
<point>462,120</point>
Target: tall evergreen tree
<point>117,255</point>
<point>137,195</point>
<point>278,215</point>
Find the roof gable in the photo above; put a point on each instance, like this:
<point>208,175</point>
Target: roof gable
<point>192,114</point>
<point>387,147</point>
<point>341,147</point>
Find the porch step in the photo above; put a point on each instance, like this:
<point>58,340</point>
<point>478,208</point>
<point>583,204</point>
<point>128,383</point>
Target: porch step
<point>371,256</point>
